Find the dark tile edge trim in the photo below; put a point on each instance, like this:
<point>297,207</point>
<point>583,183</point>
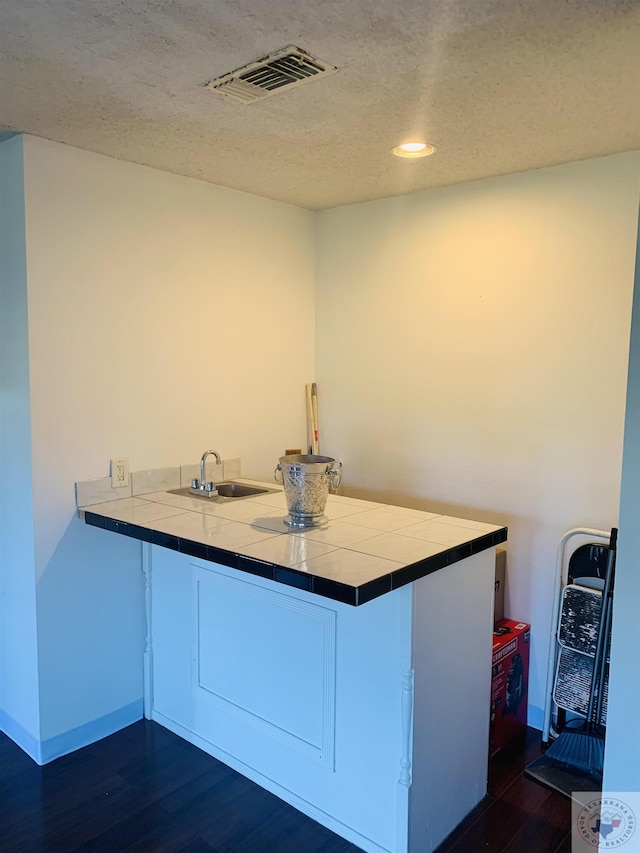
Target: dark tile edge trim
<point>93,519</point>
<point>419,570</point>
<point>374,589</point>
<point>134,531</point>
<point>335,590</point>
<point>193,549</point>
<point>165,540</point>
<point>324,587</point>
<point>256,567</point>
<point>224,558</point>
<point>291,577</point>
<point>447,558</point>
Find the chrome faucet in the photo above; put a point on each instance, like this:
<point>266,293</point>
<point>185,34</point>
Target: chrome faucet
<point>198,487</point>
<point>203,463</point>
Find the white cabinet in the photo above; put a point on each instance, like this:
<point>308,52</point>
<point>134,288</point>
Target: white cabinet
<point>373,720</point>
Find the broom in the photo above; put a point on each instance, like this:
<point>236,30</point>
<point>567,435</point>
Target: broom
<point>581,747</point>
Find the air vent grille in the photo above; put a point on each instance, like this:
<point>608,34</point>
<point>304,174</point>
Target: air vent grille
<point>286,68</point>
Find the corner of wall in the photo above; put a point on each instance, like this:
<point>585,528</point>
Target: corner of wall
<point>18,632</point>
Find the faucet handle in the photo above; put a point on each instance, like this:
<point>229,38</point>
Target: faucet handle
<point>195,483</point>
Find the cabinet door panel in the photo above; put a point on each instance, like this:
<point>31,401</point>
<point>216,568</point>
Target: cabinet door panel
<point>266,659</point>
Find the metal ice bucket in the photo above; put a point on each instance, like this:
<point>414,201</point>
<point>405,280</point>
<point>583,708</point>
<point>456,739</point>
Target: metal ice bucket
<point>306,480</point>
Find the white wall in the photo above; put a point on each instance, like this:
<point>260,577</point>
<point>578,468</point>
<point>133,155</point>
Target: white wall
<point>472,353</point>
<point>19,713</point>
<point>471,358</point>
<point>622,754</point>
<point>166,316</point>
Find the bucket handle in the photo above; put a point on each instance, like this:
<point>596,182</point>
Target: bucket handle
<point>334,472</point>
<point>335,475</point>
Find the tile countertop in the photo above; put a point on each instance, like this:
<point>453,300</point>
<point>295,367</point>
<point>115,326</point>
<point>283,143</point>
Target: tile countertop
<point>365,551</point>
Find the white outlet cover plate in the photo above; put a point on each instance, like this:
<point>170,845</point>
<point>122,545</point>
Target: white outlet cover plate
<point>119,472</point>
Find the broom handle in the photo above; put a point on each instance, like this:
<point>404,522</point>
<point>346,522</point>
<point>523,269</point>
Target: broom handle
<point>603,665</point>
<point>600,644</point>
<point>310,442</point>
<point>606,628</point>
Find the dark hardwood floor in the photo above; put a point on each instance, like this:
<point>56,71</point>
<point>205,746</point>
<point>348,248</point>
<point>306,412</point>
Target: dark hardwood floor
<point>144,789</point>
<point>517,815</point>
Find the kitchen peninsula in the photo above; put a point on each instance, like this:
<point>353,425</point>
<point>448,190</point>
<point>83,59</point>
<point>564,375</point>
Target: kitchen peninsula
<point>346,669</point>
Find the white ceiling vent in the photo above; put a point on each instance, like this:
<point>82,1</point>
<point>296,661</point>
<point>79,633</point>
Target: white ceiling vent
<point>284,69</point>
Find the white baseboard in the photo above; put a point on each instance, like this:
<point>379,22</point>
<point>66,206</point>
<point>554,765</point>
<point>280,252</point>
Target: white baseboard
<point>268,784</point>
<point>535,717</point>
<point>25,740</point>
<point>42,752</point>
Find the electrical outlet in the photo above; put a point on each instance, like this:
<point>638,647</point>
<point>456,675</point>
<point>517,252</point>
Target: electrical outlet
<point>119,472</point>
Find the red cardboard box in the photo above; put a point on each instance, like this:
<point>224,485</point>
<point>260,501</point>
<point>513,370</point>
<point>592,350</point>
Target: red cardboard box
<point>509,682</point>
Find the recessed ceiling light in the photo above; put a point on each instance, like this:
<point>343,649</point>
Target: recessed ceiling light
<point>414,149</point>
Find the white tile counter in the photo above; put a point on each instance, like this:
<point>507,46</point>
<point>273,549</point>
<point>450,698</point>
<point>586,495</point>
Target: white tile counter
<point>366,550</point>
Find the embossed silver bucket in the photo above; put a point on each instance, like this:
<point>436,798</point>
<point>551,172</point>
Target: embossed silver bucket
<point>306,480</point>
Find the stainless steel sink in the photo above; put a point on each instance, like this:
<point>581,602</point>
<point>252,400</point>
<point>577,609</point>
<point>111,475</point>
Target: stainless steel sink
<point>239,490</point>
<point>228,490</point>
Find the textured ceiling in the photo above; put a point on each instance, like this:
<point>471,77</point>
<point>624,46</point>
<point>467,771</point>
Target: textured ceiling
<point>498,85</point>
